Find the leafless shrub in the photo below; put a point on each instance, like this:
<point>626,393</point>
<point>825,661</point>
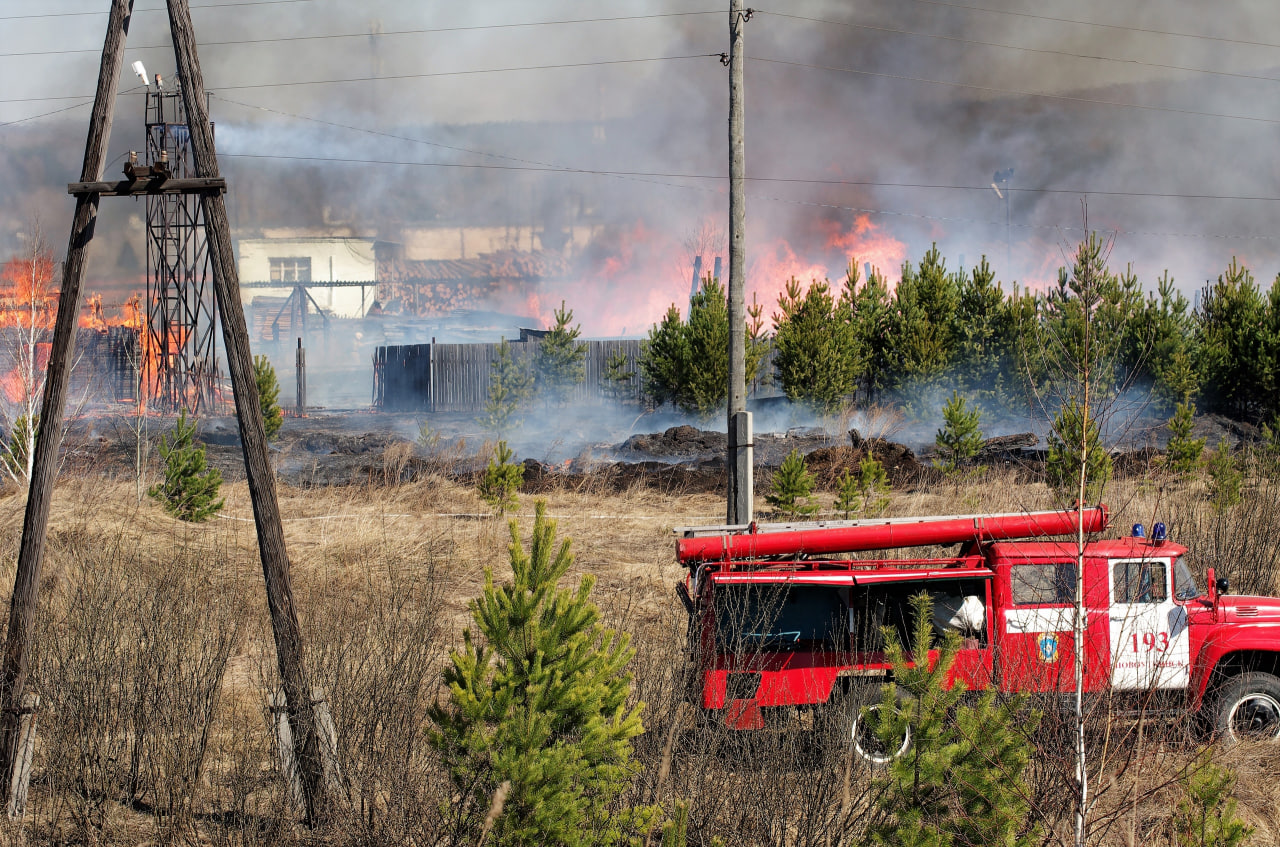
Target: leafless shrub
<point>376,652</point>
<point>1241,542</point>
<point>129,678</point>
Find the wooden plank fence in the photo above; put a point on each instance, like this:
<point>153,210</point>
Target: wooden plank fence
<point>457,377</point>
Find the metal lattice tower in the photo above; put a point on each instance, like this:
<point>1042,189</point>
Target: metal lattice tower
<point>180,342</point>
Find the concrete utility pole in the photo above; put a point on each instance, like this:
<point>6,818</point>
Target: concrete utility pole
<point>26,583</point>
<point>738,462</point>
<point>262,485</point>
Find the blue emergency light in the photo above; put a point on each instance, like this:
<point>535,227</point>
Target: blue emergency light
<point>1158,532</point>
<point>1138,531</point>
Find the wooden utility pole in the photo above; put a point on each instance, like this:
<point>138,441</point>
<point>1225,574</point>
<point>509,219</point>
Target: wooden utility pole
<point>26,583</point>
<point>738,461</point>
<point>253,437</point>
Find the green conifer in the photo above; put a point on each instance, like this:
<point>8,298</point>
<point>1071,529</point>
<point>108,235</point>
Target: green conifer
<point>1206,815</point>
<point>190,487</point>
<point>538,696</point>
<point>1183,452</point>
<point>1062,467</point>
<point>501,480</point>
<point>960,438</point>
<point>962,780</point>
<point>561,360</point>
<point>818,358</point>
<point>873,481</point>
<point>915,793</point>
<point>792,488</point>
<point>509,386</point>
<point>268,395</point>
<point>848,494</point>
<point>1225,478</point>
<point>618,375</point>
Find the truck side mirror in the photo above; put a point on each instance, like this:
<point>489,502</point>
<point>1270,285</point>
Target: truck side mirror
<point>1223,586</point>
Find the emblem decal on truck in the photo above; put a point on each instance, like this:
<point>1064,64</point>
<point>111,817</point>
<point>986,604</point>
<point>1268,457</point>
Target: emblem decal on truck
<point>1048,645</point>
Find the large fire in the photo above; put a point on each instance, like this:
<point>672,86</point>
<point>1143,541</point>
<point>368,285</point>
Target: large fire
<point>626,279</point>
<point>28,312</point>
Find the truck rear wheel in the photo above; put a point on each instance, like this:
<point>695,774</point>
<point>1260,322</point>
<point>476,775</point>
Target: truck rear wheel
<point>1247,708</point>
<point>867,745</point>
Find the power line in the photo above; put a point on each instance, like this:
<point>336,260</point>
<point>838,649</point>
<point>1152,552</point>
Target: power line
<point>1219,39</point>
<point>996,90</point>
<point>548,168</point>
<point>387,77</point>
<point>426,31</point>
<point>1045,51</point>
<point>536,165</point>
<point>154,9</point>
<point>83,102</point>
<point>45,114</point>
<point>861,209</point>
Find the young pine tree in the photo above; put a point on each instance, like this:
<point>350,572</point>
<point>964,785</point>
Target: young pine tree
<point>268,395</point>
<point>189,491</point>
<point>848,494</point>
<point>1062,467</point>
<point>873,482</point>
<point>962,781</point>
<point>1225,478</point>
<point>914,795</point>
<point>538,698</point>
<point>960,438</point>
<point>1206,815</point>
<point>792,488</point>
<point>560,362</point>
<point>618,376</point>
<point>501,480</point>
<point>818,358</point>
<point>509,386</point>
<point>1183,452</point>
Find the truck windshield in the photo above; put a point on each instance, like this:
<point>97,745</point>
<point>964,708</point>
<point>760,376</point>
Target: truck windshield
<point>759,617</point>
<point>1184,582</point>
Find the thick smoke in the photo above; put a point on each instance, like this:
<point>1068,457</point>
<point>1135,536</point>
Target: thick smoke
<point>669,117</point>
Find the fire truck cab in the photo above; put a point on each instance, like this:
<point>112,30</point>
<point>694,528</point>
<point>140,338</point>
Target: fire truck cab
<point>786,616</point>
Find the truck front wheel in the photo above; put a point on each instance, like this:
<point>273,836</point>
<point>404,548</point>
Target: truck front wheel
<point>1247,708</point>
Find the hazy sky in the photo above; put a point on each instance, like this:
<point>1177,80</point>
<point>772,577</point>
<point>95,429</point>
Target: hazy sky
<point>932,95</point>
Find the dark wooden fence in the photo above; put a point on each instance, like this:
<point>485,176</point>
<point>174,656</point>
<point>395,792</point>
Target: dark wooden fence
<point>456,377</point>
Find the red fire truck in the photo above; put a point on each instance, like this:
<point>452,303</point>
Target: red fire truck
<point>785,616</point>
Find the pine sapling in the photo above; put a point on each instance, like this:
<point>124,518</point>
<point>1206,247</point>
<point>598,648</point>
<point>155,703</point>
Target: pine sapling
<point>509,385</point>
<point>1062,466</point>
<point>501,480</point>
<point>1206,815</point>
<point>960,438</point>
<point>849,494</point>
<point>538,696</point>
<point>561,358</point>
<point>1225,478</point>
<point>792,488</point>
<point>268,395</point>
<point>874,484</point>
<point>1183,452</point>
<point>189,491</point>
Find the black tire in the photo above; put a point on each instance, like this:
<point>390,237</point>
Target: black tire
<point>867,746</point>
<point>1247,708</point>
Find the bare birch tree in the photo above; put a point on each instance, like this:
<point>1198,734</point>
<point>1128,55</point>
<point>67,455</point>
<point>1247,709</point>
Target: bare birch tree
<point>27,305</point>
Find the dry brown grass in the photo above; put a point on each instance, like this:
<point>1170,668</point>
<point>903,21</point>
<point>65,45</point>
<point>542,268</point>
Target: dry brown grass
<point>382,573</point>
